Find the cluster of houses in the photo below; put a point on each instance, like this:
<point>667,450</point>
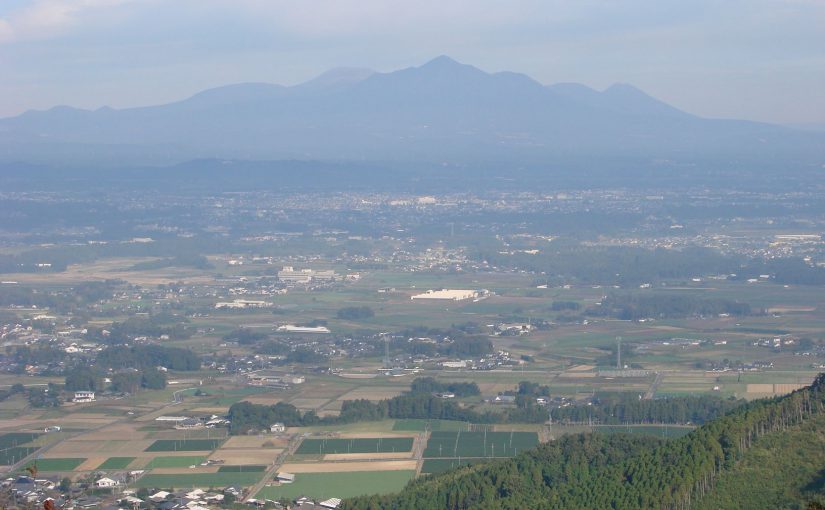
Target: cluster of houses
<point>188,422</point>
<point>26,489</point>
<point>490,362</point>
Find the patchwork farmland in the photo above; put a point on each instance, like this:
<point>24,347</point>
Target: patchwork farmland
<point>447,449</point>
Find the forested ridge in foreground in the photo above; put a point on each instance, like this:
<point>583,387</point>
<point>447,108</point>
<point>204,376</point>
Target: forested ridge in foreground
<point>588,471</point>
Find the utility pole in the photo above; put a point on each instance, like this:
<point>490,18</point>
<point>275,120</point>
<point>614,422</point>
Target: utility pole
<point>618,353</point>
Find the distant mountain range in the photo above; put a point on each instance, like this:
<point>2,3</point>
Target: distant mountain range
<point>440,112</point>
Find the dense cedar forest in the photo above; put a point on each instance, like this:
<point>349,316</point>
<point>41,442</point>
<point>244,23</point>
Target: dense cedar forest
<point>622,408</point>
<point>421,403</point>
<point>618,471</point>
<point>134,368</point>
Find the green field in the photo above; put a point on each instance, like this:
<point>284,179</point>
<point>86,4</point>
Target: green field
<point>184,445</point>
<point>478,444</point>
<point>116,463</point>
<point>242,469</point>
<point>175,462</point>
<point>360,445</point>
<point>339,485</point>
<point>200,480</point>
<point>13,454</point>
<point>64,464</point>
<point>11,450</point>
<point>422,425</point>
<point>435,466</point>
<point>17,439</point>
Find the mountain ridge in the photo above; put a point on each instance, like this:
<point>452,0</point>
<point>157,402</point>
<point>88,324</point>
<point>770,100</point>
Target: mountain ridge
<point>441,111</point>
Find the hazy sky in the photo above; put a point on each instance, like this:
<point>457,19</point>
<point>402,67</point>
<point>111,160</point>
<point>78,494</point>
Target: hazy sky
<point>751,59</point>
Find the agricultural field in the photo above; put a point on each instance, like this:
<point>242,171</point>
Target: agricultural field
<point>242,469</point>
<point>445,444</point>
<point>416,425</point>
<point>355,445</point>
<point>339,485</point>
<point>175,462</point>
<point>202,480</point>
<point>17,445</point>
<point>116,463</point>
<point>184,445</point>
<point>62,465</point>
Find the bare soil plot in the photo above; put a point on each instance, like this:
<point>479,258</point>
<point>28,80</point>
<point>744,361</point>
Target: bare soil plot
<point>266,400</point>
<point>236,442</point>
<point>578,375</point>
<point>373,393</point>
<point>791,309</point>
<point>488,388</point>
<point>117,431</point>
<point>345,467</point>
<point>309,403</point>
<point>367,456</point>
<point>208,410</point>
<point>335,405</point>
<point>185,470</point>
<point>773,389</point>
<point>371,435</point>
<point>91,464</point>
<point>102,447</point>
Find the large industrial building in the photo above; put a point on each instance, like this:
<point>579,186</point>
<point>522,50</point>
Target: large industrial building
<point>288,274</point>
<point>448,294</point>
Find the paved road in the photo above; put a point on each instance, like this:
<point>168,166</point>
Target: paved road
<point>273,469</point>
<point>651,392</point>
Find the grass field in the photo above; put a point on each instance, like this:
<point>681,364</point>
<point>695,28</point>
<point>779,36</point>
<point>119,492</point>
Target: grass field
<point>65,464</point>
<point>422,425</point>
<point>200,480</point>
<point>116,463</point>
<point>359,445</point>
<point>175,462</point>
<point>478,444</point>
<point>435,466</point>
<point>184,445</point>
<point>339,485</point>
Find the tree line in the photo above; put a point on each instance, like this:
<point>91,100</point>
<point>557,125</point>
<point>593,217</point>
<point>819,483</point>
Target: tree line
<point>420,403</point>
<point>662,306</point>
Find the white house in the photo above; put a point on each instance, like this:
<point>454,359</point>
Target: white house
<point>106,482</point>
<point>277,427</point>
<point>84,396</point>
<point>285,477</point>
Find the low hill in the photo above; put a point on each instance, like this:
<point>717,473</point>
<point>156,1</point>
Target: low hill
<point>768,453</point>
